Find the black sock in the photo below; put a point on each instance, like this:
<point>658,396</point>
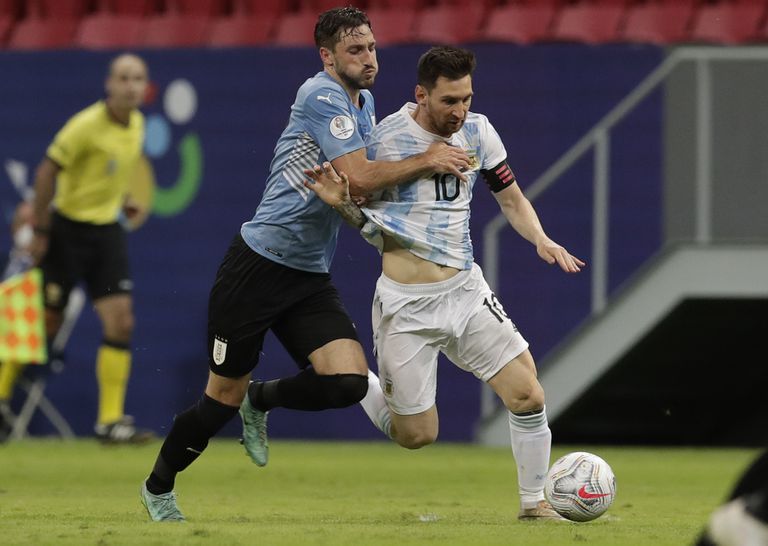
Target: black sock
<point>262,394</point>
<point>187,440</point>
<point>757,504</point>
<point>704,540</point>
<point>161,479</point>
<point>309,391</point>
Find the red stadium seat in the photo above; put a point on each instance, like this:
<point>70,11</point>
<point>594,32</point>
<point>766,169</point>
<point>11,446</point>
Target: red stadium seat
<point>241,30</point>
<point>657,23</point>
<point>319,6</point>
<point>296,29</point>
<point>589,23</point>
<point>43,33</point>
<point>173,30</point>
<point>518,23</point>
<point>487,4</point>
<point>392,26</point>
<point>256,7</point>
<point>448,24</point>
<point>397,4</point>
<point>110,31</point>
<point>11,8</point>
<point>687,3</point>
<point>762,31</point>
<point>6,21</point>
<point>727,23</point>
<point>58,9</point>
<point>128,7</point>
<point>197,7</point>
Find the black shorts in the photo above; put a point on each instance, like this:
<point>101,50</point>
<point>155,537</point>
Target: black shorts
<point>79,251</point>
<point>252,294</point>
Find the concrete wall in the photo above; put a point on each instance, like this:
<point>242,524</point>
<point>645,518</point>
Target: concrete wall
<point>738,156</point>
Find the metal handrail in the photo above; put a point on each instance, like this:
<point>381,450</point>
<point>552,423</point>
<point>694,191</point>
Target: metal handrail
<point>598,137</point>
<point>601,131</point>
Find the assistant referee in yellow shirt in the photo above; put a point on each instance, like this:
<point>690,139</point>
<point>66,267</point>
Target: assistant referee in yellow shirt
<point>80,189</point>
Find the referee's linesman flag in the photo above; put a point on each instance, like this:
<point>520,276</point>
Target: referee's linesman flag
<point>22,320</point>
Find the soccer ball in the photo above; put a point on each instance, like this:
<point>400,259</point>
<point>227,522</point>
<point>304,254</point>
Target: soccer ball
<point>580,486</point>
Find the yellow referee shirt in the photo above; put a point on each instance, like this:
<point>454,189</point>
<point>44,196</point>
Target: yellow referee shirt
<point>98,157</point>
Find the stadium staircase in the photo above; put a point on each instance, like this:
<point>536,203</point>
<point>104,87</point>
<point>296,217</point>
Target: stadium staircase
<point>595,357</point>
<point>686,273</point>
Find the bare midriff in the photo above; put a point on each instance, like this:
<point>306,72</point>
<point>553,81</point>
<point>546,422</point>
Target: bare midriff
<point>402,266</point>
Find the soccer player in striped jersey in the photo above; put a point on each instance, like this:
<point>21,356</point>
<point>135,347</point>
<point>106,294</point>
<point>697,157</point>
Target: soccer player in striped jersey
<point>431,296</point>
<point>275,273</point>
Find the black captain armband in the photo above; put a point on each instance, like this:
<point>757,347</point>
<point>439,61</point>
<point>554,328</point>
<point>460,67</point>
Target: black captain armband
<point>499,177</point>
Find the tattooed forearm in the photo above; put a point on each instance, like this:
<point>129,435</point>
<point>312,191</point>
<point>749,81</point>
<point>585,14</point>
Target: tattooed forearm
<point>351,214</point>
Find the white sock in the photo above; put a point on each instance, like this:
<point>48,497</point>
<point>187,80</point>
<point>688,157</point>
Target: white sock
<point>375,405</point>
<point>531,444</point>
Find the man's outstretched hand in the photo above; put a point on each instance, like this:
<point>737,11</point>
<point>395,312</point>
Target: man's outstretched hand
<point>329,186</point>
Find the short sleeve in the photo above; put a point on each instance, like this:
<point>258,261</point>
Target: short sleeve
<point>330,123</point>
<point>494,152</point>
<point>68,143</point>
<point>387,150</point>
<point>374,145</point>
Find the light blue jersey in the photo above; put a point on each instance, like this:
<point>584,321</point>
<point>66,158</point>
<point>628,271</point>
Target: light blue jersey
<point>292,226</point>
<point>429,216</point>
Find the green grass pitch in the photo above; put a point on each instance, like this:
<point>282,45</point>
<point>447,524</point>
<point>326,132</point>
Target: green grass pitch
<point>324,493</point>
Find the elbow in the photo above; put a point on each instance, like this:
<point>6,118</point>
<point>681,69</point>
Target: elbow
<point>516,203</point>
<point>46,171</point>
<point>510,207</point>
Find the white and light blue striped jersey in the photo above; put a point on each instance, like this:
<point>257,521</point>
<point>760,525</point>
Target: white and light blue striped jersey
<point>292,226</point>
<point>429,216</point>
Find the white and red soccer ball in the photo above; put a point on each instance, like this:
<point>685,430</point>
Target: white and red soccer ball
<point>580,486</point>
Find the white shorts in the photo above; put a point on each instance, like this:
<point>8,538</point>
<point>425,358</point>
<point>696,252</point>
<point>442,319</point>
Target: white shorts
<point>459,317</point>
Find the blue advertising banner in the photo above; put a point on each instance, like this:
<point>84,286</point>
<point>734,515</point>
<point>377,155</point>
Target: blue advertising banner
<point>212,121</point>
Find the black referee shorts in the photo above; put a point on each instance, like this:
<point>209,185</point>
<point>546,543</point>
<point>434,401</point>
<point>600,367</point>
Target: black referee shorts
<point>79,251</point>
<point>253,294</point>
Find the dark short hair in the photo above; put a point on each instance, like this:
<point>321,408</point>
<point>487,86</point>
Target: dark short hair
<point>334,24</point>
<point>452,63</point>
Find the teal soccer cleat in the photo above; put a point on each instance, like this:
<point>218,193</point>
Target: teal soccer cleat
<point>254,432</point>
<point>160,507</point>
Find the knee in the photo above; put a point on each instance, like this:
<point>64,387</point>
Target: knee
<point>346,389</point>
<point>125,326</point>
<point>225,390</point>
<point>120,329</point>
<point>415,439</point>
<point>528,398</point>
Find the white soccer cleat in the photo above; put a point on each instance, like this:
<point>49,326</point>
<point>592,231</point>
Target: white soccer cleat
<point>542,510</point>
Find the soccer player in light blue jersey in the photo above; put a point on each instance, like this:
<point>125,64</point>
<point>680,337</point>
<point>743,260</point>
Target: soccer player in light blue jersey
<point>431,296</point>
<point>275,273</point>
